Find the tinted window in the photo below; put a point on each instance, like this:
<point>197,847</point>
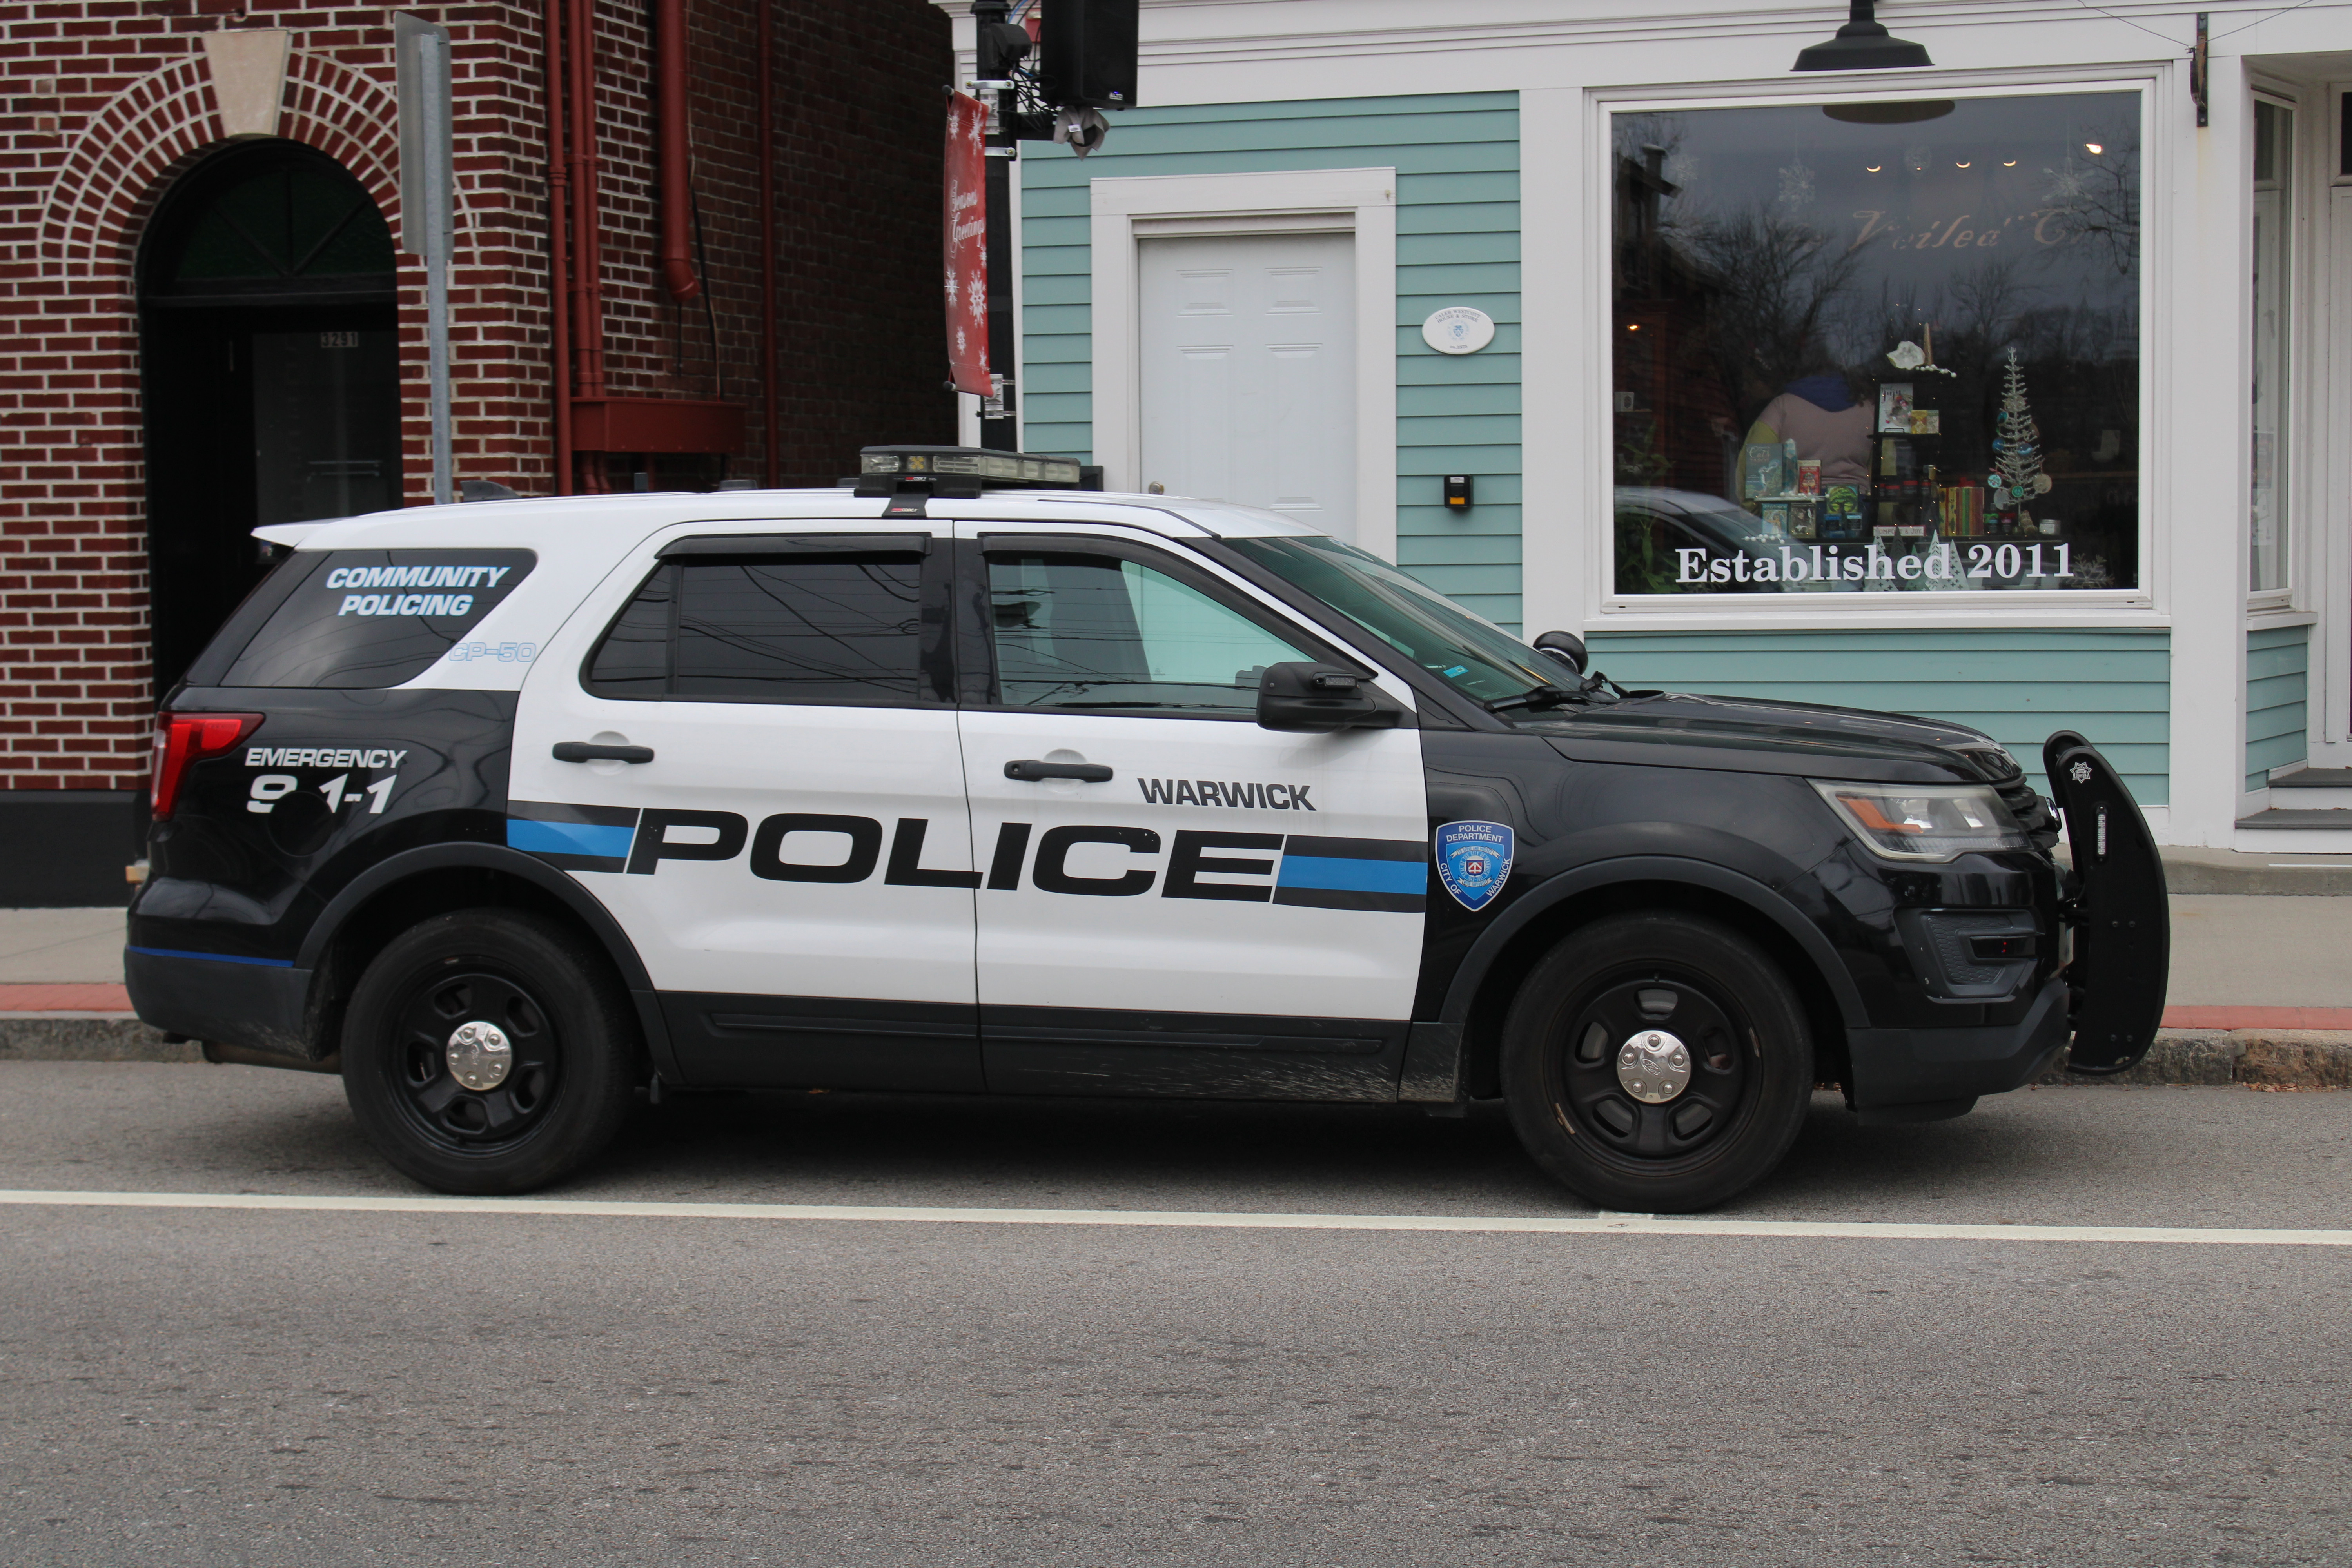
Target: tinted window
<point>375,617</point>
<point>807,629</point>
<point>1094,631</point>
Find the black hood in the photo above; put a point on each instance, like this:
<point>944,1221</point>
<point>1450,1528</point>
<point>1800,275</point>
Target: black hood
<point>1736,735</point>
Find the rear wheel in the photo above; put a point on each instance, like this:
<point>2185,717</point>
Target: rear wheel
<point>1657,1063</point>
<point>488,1051</point>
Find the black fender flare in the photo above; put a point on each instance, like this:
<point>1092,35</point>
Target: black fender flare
<point>395,868</point>
<point>1547,895</point>
<point>483,857</point>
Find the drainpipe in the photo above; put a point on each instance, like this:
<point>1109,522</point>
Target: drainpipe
<point>559,255</point>
<point>773,463</point>
<point>587,239</point>
<point>670,147</point>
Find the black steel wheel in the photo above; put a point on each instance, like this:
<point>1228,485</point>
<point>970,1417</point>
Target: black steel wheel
<point>1657,1063</point>
<point>488,1051</point>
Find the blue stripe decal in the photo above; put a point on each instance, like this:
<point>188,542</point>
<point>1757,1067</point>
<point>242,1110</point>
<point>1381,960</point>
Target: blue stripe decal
<point>1354,876</point>
<point>568,838</point>
<point>215,957</point>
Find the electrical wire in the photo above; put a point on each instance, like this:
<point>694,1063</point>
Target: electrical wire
<point>2257,21</point>
<point>2127,22</point>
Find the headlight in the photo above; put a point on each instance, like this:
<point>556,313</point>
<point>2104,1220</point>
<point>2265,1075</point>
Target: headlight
<point>1925,822</point>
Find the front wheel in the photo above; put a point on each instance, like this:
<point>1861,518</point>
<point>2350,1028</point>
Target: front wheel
<point>1657,1063</point>
<point>488,1051</point>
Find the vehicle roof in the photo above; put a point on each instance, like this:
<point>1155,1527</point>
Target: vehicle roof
<point>619,521</point>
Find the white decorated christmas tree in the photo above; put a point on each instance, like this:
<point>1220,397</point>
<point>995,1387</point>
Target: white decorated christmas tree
<point>2017,445</point>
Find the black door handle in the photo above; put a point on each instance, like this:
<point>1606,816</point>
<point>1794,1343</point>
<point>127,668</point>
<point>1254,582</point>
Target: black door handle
<point>587,751</point>
<point>1085,773</point>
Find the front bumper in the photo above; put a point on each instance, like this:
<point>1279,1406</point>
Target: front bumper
<point>1924,1067</point>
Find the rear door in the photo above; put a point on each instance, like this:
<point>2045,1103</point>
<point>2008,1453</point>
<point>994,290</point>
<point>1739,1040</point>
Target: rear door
<point>746,747</point>
<point>1231,910</point>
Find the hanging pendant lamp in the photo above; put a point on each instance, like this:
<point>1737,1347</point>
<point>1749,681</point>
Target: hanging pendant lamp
<point>1862,45</point>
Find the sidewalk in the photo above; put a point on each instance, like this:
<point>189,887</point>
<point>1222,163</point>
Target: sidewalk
<point>2261,990</point>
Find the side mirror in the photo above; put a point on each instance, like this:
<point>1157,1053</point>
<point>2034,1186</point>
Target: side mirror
<point>1322,697</point>
<point>1567,647</point>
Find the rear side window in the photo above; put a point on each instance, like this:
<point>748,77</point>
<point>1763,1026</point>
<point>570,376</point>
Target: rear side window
<point>842,628</point>
<point>377,617</point>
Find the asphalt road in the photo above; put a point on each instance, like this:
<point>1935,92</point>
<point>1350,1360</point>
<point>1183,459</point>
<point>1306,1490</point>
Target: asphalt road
<point>221,1386</point>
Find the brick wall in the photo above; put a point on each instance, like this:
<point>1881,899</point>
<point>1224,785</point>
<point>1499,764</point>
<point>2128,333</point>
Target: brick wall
<point>104,102</point>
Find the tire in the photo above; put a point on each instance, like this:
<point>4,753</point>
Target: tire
<point>572,1047</point>
<point>1613,986</point>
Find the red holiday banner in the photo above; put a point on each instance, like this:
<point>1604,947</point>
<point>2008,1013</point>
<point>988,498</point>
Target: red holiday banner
<point>967,244</point>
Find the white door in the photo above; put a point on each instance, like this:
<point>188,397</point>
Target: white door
<point>1220,908</point>
<point>1249,372</point>
<point>778,819</point>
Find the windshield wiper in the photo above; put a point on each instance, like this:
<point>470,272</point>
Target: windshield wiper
<point>1537,698</point>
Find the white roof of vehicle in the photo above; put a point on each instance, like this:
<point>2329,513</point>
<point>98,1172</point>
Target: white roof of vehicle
<point>618,522</point>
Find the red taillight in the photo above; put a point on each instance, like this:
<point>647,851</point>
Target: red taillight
<point>185,738</point>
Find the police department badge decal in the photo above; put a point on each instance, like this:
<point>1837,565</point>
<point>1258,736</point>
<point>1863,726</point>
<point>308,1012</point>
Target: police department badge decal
<point>1473,861</point>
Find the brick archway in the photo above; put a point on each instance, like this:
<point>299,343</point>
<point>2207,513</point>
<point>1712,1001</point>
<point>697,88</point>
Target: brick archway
<point>130,152</point>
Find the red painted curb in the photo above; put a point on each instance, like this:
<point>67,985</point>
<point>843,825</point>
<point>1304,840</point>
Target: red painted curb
<point>2258,1017</point>
<point>105,998</point>
<point>64,998</point>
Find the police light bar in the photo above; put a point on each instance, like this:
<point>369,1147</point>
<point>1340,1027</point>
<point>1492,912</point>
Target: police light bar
<point>991,470</point>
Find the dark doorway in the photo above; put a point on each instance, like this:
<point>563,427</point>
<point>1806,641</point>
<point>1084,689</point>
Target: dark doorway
<point>271,373</point>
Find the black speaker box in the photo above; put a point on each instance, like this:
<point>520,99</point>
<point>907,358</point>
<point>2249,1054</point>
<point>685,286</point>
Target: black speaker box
<point>1089,50</point>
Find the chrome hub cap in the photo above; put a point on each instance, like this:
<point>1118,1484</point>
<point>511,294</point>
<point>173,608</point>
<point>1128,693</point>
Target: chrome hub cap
<point>1652,1066</point>
<point>480,1055</point>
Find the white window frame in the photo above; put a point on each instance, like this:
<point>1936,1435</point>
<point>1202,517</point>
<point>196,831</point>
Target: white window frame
<point>1604,609</point>
<point>2287,604</point>
<point>1123,212</point>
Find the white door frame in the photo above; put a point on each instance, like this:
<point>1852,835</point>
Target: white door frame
<point>1290,201</point>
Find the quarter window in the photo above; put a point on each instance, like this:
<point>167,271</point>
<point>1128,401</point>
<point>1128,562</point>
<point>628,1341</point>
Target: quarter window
<point>1075,629</point>
<point>364,619</point>
<point>808,628</point>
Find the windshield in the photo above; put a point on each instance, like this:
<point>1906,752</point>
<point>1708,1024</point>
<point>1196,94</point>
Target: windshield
<point>1475,657</point>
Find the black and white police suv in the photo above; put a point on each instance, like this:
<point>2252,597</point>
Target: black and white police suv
<point>511,812</point>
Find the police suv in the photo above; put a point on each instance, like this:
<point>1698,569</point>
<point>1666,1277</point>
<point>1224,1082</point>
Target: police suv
<point>970,781</point>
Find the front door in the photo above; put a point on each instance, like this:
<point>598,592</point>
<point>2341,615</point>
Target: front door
<point>1249,372</point>
<point>771,803</point>
<point>1217,909</point>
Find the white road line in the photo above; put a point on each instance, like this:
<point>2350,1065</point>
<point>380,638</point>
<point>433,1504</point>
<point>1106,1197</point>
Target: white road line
<point>1537,1225</point>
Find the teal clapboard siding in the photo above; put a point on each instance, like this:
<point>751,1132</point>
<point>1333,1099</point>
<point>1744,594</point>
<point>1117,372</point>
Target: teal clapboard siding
<point>2278,678</point>
<point>2114,687</point>
<point>1457,159</point>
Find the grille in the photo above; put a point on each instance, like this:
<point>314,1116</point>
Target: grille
<point>2033,812</point>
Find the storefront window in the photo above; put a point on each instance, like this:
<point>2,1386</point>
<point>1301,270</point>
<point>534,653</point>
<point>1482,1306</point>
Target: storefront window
<point>2273,221</point>
<point>1889,348</point>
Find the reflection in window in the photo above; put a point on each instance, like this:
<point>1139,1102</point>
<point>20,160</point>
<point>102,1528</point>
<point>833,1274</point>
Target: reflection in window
<point>1094,631</point>
<point>2274,223</point>
<point>1878,347</point>
<point>821,629</point>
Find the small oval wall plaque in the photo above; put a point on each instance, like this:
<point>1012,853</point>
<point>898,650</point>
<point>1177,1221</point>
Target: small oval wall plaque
<point>1458,329</point>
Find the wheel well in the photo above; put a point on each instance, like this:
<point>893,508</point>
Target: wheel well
<point>395,908</point>
<point>1483,1037</point>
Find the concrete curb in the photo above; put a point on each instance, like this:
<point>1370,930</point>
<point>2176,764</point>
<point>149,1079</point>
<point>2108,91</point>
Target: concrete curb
<point>2257,1058</point>
<point>87,1037</point>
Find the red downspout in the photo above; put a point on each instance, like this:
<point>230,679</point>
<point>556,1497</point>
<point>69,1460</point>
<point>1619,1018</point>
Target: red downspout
<point>587,239</point>
<point>559,255</point>
<point>670,146</point>
<point>768,237</point>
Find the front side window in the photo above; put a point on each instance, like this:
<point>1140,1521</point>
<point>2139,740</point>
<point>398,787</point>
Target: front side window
<point>1079,629</point>
<point>808,628</point>
<point>1877,347</point>
<point>2273,225</point>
